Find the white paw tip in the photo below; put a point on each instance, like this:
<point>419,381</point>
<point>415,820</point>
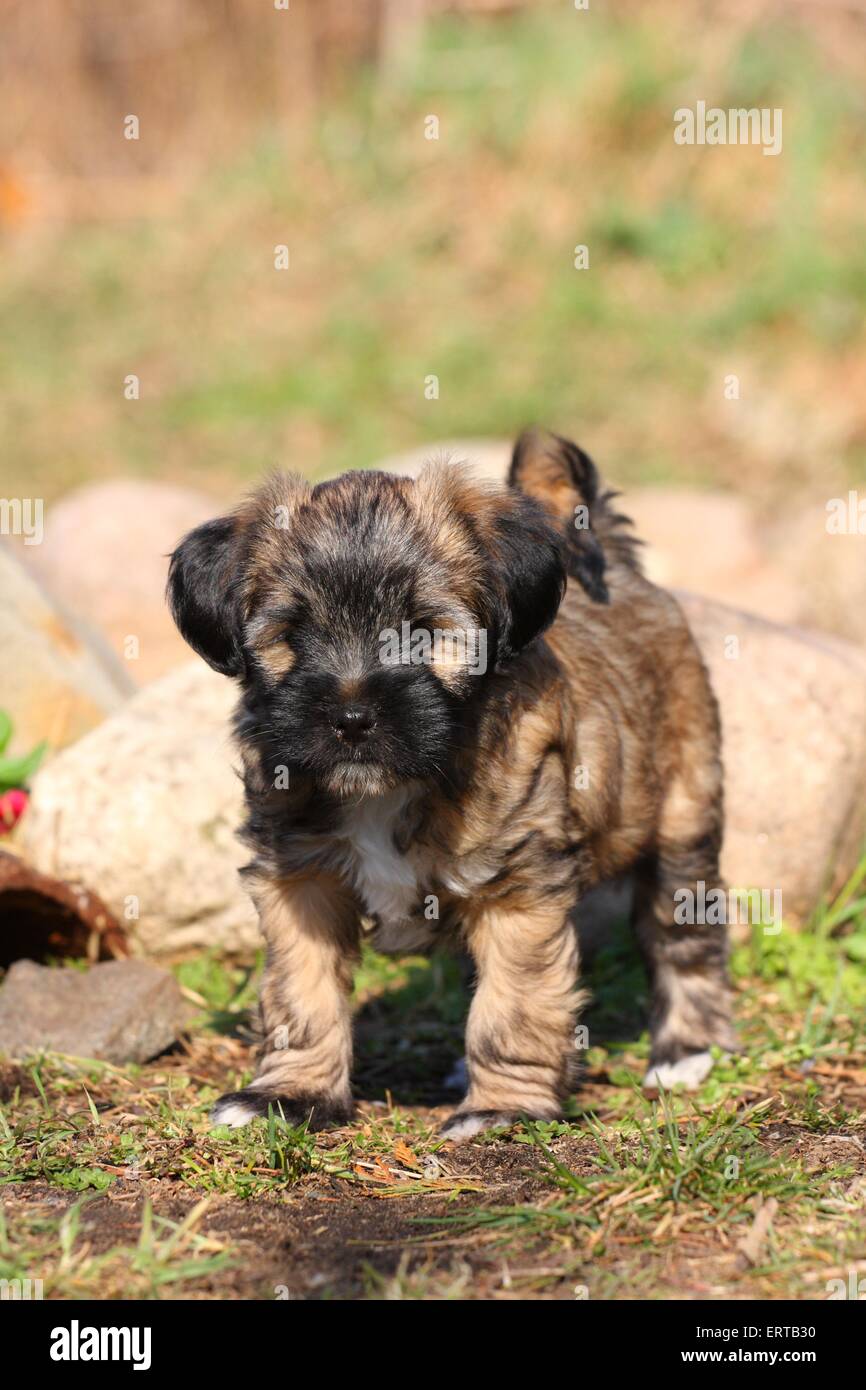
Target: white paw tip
<point>464,1129</point>
<point>232,1113</point>
<point>688,1072</point>
<point>471,1122</point>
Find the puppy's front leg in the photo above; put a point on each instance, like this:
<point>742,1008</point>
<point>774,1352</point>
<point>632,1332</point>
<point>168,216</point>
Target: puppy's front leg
<point>520,1034</point>
<point>311,931</point>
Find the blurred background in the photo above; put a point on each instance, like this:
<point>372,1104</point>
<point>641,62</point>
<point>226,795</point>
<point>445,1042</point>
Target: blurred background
<point>410,257</point>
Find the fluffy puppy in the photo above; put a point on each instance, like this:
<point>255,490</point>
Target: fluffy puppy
<point>440,744</point>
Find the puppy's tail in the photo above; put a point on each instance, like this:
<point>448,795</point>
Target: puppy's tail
<point>564,479</point>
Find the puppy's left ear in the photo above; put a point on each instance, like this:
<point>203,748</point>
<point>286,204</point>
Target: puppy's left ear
<point>560,476</point>
<point>204,593</point>
<point>530,574</point>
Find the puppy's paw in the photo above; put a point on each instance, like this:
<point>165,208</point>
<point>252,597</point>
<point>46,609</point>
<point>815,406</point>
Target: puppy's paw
<point>239,1107</point>
<point>689,1072</point>
<point>465,1124</point>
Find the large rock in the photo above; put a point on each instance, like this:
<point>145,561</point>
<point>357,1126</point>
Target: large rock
<point>793,709</point>
<point>105,553</point>
<point>122,1011</point>
<point>729,563</point>
<point>144,812</point>
<point>56,679</point>
<point>830,568</point>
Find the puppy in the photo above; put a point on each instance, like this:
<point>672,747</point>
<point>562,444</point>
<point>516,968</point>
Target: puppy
<point>440,744</point>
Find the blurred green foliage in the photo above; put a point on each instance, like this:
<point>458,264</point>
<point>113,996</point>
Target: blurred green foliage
<point>454,257</point>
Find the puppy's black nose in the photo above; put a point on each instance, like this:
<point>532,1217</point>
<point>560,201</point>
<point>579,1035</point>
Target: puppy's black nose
<point>355,723</point>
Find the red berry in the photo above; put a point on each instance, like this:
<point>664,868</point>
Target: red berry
<point>13,804</point>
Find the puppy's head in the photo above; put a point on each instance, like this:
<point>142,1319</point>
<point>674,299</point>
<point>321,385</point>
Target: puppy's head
<point>365,614</point>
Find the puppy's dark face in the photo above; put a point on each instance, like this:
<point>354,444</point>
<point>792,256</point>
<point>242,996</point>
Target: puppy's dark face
<point>364,615</point>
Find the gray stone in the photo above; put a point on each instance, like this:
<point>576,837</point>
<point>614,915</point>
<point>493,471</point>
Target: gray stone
<point>120,1011</point>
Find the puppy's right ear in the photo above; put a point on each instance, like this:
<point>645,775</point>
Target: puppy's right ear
<point>204,593</point>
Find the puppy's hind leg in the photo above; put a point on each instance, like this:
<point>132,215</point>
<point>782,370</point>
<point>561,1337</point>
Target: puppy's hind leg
<point>312,938</point>
<point>686,960</point>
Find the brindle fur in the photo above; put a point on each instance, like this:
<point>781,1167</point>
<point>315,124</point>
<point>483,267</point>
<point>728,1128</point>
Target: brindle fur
<point>469,780</point>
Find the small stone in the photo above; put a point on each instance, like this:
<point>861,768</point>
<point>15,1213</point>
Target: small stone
<point>120,1011</point>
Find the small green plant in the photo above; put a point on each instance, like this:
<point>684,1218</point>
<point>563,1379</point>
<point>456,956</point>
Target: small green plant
<point>15,772</point>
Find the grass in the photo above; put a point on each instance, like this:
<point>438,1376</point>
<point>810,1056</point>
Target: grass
<point>455,258</point>
<point>167,1258</point>
<point>626,1197</point>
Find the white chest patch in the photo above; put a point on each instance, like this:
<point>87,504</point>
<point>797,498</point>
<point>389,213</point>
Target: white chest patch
<point>386,880</point>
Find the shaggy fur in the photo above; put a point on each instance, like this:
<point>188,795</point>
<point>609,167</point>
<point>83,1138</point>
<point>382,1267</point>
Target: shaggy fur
<point>432,800</point>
